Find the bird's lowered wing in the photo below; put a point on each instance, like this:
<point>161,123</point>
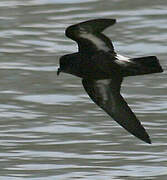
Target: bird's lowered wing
<point>89,37</point>
<point>106,94</point>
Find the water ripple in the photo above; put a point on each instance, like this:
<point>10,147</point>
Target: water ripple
<point>49,127</point>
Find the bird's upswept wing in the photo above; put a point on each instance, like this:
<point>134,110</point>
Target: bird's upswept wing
<point>88,35</point>
<point>106,94</point>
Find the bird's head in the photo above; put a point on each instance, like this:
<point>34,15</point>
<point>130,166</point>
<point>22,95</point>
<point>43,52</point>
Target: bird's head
<point>64,64</point>
<point>69,64</point>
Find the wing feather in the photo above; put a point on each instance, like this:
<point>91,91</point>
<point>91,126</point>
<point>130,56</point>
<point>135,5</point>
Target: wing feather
<point>89,37</point>
<point>106,94</point>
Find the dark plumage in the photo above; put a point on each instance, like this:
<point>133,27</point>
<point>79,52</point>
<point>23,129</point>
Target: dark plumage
<point>102,71</point>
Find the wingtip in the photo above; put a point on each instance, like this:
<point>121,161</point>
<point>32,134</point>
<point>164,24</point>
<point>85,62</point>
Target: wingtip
<point>95,25</point>
<point>99,25</point>
<point>148,141</point>
<point>145,138</point>
<point>141,133</point>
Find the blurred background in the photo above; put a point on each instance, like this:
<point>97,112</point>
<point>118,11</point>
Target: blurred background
<point>49,128</point>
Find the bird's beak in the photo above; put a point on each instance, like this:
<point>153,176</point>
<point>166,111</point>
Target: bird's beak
<point>58,71</point>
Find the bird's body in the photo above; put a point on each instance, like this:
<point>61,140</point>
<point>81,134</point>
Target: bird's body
<point>102,71</point>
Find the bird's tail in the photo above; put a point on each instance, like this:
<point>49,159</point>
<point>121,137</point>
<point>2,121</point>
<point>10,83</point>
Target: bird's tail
<point>142,65</point>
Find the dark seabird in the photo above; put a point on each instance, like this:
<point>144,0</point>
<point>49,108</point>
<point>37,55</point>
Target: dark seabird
<point>102,71</point>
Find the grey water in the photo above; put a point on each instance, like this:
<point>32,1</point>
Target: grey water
<point>49,128</point>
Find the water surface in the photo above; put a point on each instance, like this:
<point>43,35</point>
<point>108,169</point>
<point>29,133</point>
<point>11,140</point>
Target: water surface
<point>49,128</point>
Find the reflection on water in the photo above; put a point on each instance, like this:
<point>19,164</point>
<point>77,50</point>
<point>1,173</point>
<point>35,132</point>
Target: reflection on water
<point>49,128</point>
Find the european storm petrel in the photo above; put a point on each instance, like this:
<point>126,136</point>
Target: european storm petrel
<point>102,71</point>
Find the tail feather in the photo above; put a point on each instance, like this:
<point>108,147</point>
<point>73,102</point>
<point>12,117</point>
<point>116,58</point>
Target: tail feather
<point>142,65</point>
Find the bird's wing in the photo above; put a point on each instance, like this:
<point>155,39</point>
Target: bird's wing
<point>106,94</point>
<point>89,37</point>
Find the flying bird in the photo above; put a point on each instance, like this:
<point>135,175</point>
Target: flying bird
<point>102,71</point>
